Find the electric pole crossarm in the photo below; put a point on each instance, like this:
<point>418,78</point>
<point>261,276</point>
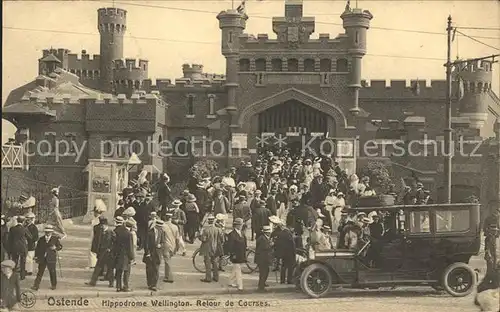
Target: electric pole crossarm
<point>458,62</point>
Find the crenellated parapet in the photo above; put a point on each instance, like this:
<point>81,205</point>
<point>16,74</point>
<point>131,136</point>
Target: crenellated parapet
<point>206,81</point>
<point>263,42</point>
<point>112,20</point>
<point>411,89</point>
<point>129,75</point>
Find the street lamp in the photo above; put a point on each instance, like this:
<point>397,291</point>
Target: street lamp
<point>133,161</point>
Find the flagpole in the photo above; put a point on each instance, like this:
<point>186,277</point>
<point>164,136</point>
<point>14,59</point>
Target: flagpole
<point>448,130</point>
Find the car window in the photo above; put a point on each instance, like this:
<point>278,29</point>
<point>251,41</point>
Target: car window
<point>419,222</point>
<point>452,221</point>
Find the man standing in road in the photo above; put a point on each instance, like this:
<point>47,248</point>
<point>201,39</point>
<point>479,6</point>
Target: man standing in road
<point>260,218</point>
<point>491,231</point>
<point>212,240</point>
<point>55,217</point>
<point>172,243</point>
<point>46,256</point>
<point>32,240</point>
<point>18,245</point>
<point>237,246</point>
<point>102,247</point>
<point>264,256</point>
<point>11,290</point>
<point>153,245</point>
<point>123,253</point>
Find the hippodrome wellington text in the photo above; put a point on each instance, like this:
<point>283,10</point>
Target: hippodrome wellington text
<point>206,303</point>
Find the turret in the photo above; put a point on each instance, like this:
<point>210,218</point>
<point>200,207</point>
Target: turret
<point>129,75</point>
<point>112,23</point>
<point>192,72</point>
<point>476,77</point>
<point>232,24</point>
<point>356,23</point>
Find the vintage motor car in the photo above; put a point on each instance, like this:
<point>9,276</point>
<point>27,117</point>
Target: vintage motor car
<point>421,245</point>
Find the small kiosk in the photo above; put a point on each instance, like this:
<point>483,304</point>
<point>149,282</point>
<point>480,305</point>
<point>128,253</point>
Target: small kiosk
<point>106,178</point>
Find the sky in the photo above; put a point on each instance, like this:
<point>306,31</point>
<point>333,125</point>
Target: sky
<point>406,41</point>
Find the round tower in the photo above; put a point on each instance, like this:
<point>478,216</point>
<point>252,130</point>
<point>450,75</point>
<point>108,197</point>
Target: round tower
<point>476,77</point>
<point>192,72</point>
<point>232,24</point>
<point>112,23</point>
<point>356,23</point>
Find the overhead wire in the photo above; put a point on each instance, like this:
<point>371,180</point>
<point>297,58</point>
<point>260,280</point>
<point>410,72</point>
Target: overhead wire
<point>478,41</point>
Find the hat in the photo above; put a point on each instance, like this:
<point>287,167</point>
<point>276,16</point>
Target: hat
<point>165,177</point>
<point>327,228</point>
<point>30,215</point>
<point>248,164</point>
<point>420,184</point>
<point>55,190</point>
<point>262,204</point>
<point>48,228</point>
<point>366,220</point>
<point>242,197</point>
<point>210,219</point>
<point>23,198</point>
<point>168,213</point>
<point>120,202</point>
<point>191,198</point>
<point>153,214</point>
<point>238,221</point>
<point>275,171</point>
<point>100,206</point>
<point>307,160</point>
<point>132,182</point>
<point>266,229</point>
<point>319,213</point>
<point>344,212</point>
<point>8,264</point>
<point>176,203</point>
<point>220,216</point>
<point>242,183</point>
<point>130,223</point>
<point>103,220</point>
<point>258,192</point>
<point>359,214</point>
<point>159,222</point>
<point>119,220</point>
<point>129,212</point>
<point>200,184</point>
<point>296,202</point>
<point>149,195</point>
<point>21,218</point>
<point>427,192</point>
<point>340,194</point>
<point>274,219</point>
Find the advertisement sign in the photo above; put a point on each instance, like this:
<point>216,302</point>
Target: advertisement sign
<point>101,178</point>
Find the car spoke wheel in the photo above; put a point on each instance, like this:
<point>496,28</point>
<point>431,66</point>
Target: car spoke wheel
<point>459,280</point>
<point>198,261</point>
<point>250,266</point>
<point>316,280</point>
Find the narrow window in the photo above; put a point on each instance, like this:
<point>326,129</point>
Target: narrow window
<point>230,37</point>
<point>190,105</point>
<point>211,105</point>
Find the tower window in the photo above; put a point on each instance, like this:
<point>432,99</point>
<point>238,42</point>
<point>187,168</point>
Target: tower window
<point>230,37</point>
<point>342,65</point>
<point>211,104</point>
<point>244,65</point>
<point>293,65</point>
<point>325,65</point>
<point>356,39</point>
<point>190,105</point>
<point>277,65</point>
<point>260,64</point>
<point>309,65</point>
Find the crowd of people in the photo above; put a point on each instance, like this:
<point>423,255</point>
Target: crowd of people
<point>287,204</point>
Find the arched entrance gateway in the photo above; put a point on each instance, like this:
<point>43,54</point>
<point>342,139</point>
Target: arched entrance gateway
<point>295,115</point>
<point>300,124</point>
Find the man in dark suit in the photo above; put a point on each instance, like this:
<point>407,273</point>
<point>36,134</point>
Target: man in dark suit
<point>260,218</point>
<point>18,245</point>
<point>32,240</point>
<point>153,247</point>
<point>237,246</point>
<point>212,240</point>
<point>264,256</point>
<point>123,254</point>
<point>285,253</point>
<point>271,203</point>
<point>46,256</point>
<point>102,247</point>
<point>10,288</point>
<point>4,239</point>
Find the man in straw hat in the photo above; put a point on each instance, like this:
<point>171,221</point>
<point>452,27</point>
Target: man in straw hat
<point>212,240</point>
<point>284,252</point>
<point>237,246</point>
<point>164,193</point>
<point>11,290</point>
<point>260,218</point>
<point>123,253</point>
<point>55,218</point>
<point>32,240</point>
<point>192,217</point>
<point>103,248</point>
<point>172,239</point>
<point>99,209</point>
<point>179,219</point>
<point>18,245</point>
<point>153,247</point>
<point>46,256</point>
<point>264,256</point>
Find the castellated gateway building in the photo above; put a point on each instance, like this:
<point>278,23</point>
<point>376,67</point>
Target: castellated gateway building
<point>293,85</point>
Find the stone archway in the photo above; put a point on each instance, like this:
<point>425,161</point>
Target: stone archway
<point>325,107</point>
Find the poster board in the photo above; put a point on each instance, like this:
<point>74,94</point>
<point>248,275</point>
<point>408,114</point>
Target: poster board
<point>239,140</point>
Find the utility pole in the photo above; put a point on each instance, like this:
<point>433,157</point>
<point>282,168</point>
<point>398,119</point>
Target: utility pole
<point>447,129</point>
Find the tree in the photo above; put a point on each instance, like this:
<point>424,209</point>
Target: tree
<point>203,168</point>
<point>381,177</point>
